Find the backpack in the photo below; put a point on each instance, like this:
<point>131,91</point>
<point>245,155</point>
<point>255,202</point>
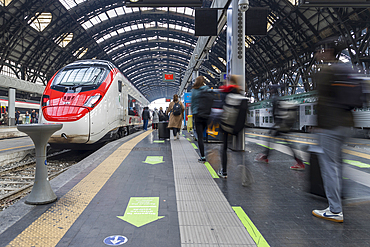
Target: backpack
<point>205,102</point>
<point>176,110</point>
<point>286,113</point>
<point>234,113</point>
<point>350,93</point>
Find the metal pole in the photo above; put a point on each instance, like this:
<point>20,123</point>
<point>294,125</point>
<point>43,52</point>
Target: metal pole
<point>11,106</point>
<point>238,62</point>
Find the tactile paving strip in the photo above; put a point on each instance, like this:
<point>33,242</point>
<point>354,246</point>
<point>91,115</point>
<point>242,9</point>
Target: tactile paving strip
<point>205,216</point>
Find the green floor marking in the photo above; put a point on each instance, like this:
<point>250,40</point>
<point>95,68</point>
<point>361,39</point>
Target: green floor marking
<point>162,141</point>
<point>153,160</point>
<point>188,139</point>
<point>357,163</point>
<point>264,146</point>
<point>307,163</point>
<point>141,211</point>
<point>194,146</point>
<point>281,142</point>
<point>251,228</point>
<point>211,170</point>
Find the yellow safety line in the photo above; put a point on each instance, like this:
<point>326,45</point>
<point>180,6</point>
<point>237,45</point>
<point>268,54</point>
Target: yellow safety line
<point>51,226</point>
<point>16,147</point>
<point>282,139</point>
<point>362,155</point>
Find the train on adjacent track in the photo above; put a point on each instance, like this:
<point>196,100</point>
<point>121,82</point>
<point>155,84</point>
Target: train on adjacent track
<point>260,114</point>
<point>22,106</point>
<point>95,103</point>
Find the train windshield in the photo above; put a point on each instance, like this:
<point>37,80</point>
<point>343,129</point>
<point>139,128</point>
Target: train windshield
<point>85,78</point>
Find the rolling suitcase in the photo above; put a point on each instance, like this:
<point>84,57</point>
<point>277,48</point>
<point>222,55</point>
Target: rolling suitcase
<point>316,185</point>
<point>163,131</point>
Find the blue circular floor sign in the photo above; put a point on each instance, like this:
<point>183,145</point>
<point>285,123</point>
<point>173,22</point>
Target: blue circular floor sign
<point>115,240</point>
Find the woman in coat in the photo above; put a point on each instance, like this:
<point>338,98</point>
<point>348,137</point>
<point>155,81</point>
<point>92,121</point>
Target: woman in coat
<point>175,121</point>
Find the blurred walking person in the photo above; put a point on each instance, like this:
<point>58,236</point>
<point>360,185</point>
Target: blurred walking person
<point>283,121</point>
<point>231,87</point>
<point>334,122</point>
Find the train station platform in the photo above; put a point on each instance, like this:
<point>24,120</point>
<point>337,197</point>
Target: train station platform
<point>143,191</point>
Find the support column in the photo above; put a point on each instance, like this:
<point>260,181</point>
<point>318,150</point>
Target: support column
<point>236,57</point>
<point>11,106</point>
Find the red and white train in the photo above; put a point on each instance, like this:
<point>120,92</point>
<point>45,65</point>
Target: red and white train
<point>94,102</point>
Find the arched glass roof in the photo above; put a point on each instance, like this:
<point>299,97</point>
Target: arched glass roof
<point>38,39</point>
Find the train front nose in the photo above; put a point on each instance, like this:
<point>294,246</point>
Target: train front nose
<point>75,120</point>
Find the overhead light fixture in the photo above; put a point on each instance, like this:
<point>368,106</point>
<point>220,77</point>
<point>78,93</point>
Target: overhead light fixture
<point>134,1</point>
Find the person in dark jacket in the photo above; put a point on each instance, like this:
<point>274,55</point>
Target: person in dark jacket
<point>17,115</point>
<point>200,123</point>
<point>33,116</point>
<point>230,87</point>
<point>145,116</point>
<point>334,124</point>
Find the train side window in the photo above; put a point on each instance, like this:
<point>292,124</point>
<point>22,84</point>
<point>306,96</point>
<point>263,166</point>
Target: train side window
<point>307,110</point>
<point>271,119</point>
<point>251,114</point>
<point>314,109</point>
<point>120,86</point>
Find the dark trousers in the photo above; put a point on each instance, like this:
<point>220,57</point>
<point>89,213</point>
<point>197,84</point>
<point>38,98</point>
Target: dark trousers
<point>174,131</point>
<point>225,136</point>
<point>155,126</point>
<point>200,126</point>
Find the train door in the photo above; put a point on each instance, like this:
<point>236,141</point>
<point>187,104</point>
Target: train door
<point>120,101</point>
<point>257,118</point>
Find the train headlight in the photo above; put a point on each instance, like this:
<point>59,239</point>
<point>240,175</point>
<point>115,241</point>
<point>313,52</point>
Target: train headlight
<point>92,101</point>
<point>45,100</point>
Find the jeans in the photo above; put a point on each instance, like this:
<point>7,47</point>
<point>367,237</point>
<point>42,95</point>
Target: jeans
<point>331,141</point>
<point>145,127</point>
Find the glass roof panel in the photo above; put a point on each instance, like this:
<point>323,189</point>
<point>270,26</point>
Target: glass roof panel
<point>40,21</point>
<point>111,13</point>
<point>103,17</point>
<point>95,20</point>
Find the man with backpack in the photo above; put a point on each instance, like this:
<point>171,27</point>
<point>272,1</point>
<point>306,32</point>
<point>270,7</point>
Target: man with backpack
<point>335,119</point>
<point>199,112</point>
<point>284,114</point>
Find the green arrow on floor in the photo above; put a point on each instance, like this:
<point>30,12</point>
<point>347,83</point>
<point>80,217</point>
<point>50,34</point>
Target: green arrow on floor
<point>141,211</point>
<point>153,160</point>
<point>160,141</point>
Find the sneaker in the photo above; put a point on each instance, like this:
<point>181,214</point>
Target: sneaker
<point>299,166</point>
<point>328,215</point>
<point>202,159</point>
<point>221,174</point>
<point>262,158</point>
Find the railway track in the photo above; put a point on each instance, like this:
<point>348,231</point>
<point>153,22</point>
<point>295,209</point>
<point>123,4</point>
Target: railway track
<point>16,180</point>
